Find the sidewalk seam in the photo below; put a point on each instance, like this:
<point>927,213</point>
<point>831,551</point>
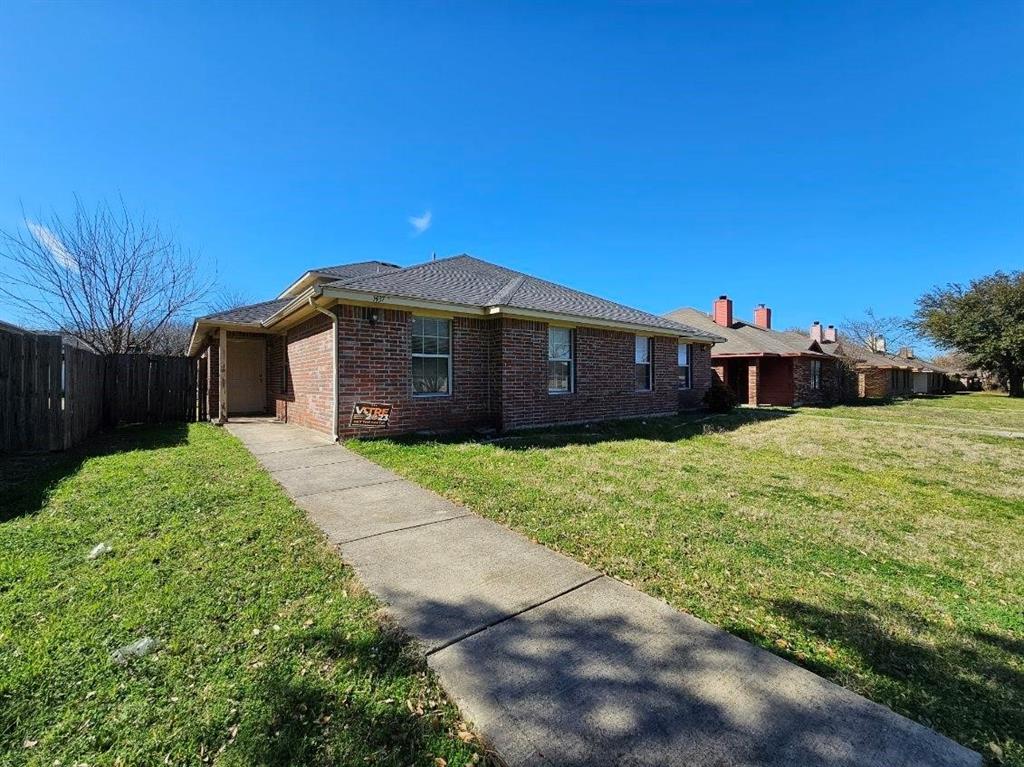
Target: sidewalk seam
<point>286,450</point>
<point>516,614</point>
<point>341,489</point>
<point>400,529</point>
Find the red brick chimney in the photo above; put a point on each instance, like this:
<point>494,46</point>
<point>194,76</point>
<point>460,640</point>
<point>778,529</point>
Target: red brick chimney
<point>816,332</point>
<point>722,311</point>
<point>830,335</point>
<point>763,316</point>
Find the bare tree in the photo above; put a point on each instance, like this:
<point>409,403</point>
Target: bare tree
<point>107,276</point>
<point>228,298</point>
<point>877,333</point>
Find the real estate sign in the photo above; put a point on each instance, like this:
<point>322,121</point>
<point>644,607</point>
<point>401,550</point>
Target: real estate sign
<point>370,414</point>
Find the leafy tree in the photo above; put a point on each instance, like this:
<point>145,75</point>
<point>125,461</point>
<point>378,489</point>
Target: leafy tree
<point>984,321</point>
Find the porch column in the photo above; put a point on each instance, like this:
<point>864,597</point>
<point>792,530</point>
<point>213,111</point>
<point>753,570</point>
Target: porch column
<point>222,378</point>
<point>753,378</point>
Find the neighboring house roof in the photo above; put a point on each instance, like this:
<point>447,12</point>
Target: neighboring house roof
<point>465,280</point>
<point>743,339</point>
<point>925,365</point>
<point>461,282</point>
<point>857,354</point>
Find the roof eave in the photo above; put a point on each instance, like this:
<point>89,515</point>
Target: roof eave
<point>379,299</point>
<point>301,283</point>
<point>296,303</point>
<point>205,325</point>
<point>511,311</point>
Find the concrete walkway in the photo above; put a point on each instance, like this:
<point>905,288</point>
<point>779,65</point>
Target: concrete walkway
<point>557,664</point>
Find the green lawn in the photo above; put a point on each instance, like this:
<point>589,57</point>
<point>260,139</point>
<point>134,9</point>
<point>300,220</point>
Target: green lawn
<point>885,556</point>
<point>272,653</point>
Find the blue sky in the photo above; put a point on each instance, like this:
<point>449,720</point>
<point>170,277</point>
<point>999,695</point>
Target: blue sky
<point>820,157</point>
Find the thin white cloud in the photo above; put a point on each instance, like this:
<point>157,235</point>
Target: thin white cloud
<point>420,224</point>
<point>53,245</point>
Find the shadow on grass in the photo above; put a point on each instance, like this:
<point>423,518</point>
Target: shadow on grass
<point>963,685</point>
<point>27,479</point>
<point>313,719</point>
<point>605,677</point>
<point>660,429</point>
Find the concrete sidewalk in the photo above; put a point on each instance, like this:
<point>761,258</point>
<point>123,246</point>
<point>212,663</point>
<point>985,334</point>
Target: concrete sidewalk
<point>557,664</point>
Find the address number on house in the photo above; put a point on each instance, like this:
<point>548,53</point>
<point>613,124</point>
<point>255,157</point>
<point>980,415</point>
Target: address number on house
<point>370,414</point>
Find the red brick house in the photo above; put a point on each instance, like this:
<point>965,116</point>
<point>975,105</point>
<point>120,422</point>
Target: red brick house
<point>451,344</point>
<point>763,366</point>
<point>867,374</point>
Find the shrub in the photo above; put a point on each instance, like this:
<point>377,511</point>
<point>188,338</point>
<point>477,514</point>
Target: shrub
<point>719,398</point>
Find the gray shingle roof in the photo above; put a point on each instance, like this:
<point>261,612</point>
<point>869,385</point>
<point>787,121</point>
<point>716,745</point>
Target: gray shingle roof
<point>744,338</point>
<point>358,269</point>
<point>469,281</point>
<point>856,353</point>
<point>253,314</point>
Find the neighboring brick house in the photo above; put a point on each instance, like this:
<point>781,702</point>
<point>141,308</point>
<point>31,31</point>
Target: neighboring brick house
<point>451,344</point>
<point>865,374</point>
<point>763,366</point>
<point>929,378</point>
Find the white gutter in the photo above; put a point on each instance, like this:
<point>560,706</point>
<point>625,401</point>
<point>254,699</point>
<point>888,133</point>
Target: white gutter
<point>334,366</point>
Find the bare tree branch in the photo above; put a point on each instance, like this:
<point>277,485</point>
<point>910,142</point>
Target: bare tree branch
<point>877,333</point>
<point>107,276</point>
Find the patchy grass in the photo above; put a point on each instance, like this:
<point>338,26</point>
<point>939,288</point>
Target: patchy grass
<point>272,655</point>
<point>886,557</point>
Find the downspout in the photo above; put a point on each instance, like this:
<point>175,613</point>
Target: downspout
<point>334,366</point>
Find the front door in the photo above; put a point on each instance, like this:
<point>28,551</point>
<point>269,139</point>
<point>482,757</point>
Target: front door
<point>739,380</point>
<point>247,369</point>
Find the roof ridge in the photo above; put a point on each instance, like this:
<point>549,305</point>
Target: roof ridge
<point>507,291</point>
<point>354,263</point>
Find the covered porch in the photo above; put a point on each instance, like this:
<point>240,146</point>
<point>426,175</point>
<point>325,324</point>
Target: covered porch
<point>758,380</point>
<point>235,375</point>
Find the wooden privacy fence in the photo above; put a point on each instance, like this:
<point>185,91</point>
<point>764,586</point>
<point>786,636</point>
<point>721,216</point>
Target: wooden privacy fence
<point>149,389</point>
<point>54,395</point>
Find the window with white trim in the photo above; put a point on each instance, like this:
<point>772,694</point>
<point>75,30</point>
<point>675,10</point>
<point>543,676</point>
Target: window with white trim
<point>560,360</point>
<point>431,356</point>
<point>685,372</point>
<point>642,360</point>
<point>816,374</point>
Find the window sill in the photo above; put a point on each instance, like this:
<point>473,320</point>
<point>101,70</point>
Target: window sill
<point>432,396</point>
<point>559,392</point>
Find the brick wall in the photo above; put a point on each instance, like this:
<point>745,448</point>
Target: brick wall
<point>701,376</point>
<point>498,376</point>
<point>753,379</point>
<point>774,381</point>
<point>805,393</point>
<point>277,386</point>
<point>376,366</point>
<point>307,398</point>
<point>605,377</point>
<point>873,383</point>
